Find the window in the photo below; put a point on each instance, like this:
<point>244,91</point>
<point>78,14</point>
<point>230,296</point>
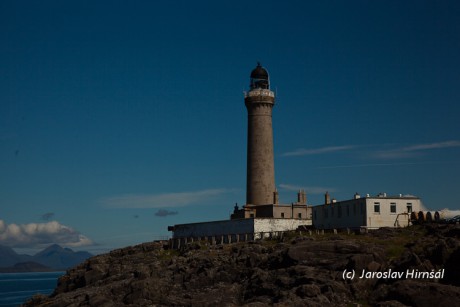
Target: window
<point>251,215</point>
<point>377,208</point>
<point>282,215</point>
<point>393,208</point>
<point>300,215</point>
<point>409,208</point>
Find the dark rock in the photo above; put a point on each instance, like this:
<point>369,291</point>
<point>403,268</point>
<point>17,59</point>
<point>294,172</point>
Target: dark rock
<point>423,293</point>
<point>407,261</point>
<point>308,291</point>
<point>438,254</point>
<point>390,304</point>
<point>452,268</point>
<point>305,271</point>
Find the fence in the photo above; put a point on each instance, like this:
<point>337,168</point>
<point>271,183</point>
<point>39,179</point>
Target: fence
<point>177,243</point>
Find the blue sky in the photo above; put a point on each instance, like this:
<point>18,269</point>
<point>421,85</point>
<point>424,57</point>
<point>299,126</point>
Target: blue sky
<point>120,118</point>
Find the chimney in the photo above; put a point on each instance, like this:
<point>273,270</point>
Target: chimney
<point>302,197</point>
<point>357,196</point>
<point>275,197</point>
<point>327,198</point>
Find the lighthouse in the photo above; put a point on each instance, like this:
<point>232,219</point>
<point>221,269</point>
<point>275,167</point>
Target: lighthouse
<point>262,215</point>
<point>259,101</point>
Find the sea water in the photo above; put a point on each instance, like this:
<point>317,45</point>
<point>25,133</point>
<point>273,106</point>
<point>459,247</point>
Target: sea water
<point>16,288</point>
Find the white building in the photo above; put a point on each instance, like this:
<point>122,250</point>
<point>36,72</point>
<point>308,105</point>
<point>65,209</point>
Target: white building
<point>366,212</point>
<point>235,230</point>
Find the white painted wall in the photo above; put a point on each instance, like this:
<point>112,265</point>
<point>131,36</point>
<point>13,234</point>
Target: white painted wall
<point>360,213</point>
<point>274,225</point>
<point>336,215</point>
<point>385,218</point>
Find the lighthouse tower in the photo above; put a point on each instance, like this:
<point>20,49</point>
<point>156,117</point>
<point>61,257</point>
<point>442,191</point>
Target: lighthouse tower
<point>259,101</point>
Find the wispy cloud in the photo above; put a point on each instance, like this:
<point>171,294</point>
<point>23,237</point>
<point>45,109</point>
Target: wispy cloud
<point>373,165</point>
<point>307,189</point>
<point>179,199</point>
<point>38,234</point>
<point>47,216</point>
<point>413,150</point>
<point>446,144</point>
<point>316,151</point>
<point>164,213</point>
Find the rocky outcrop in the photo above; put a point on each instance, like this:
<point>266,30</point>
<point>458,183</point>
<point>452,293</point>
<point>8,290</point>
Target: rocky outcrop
<point>295,271</point>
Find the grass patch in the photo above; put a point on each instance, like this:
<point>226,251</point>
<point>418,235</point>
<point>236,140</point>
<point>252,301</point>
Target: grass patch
<point>393,241</point>
<point>358,304</point>
<point>394,251</point>
<point>168,254</point>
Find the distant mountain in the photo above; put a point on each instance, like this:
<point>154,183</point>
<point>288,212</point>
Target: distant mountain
<point>8,257</point>
<point>28,266</point>
<point>53,257</point>
<point>57,257</point>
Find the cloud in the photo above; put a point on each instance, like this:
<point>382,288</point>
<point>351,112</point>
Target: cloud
<point>179,199</point>
<point>401,152</point>
<point>47,216</point>
<point>308,190</point>
<point>446,144</point>
<point>36,234</point>
<point>371,165</point>
<point>413,150</point>
<point>163,213</point>
<point>446,213</point>
<point>316,151</point>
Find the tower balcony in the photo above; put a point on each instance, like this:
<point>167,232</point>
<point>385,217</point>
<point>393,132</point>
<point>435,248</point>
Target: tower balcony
<point>259,92</point>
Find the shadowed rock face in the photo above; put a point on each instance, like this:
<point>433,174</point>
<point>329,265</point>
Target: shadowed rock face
<point>300,271</point>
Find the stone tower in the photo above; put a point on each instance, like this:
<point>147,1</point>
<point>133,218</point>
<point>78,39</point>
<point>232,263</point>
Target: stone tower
<point>259,101</point>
